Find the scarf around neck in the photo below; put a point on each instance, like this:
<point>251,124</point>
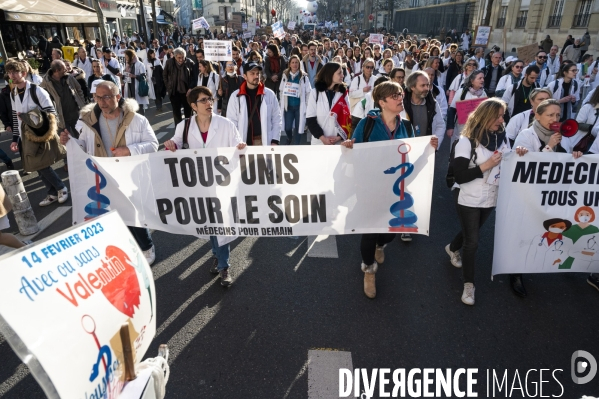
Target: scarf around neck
<point>476,93</point>
<point>543,133</point>
<point>492,141</point>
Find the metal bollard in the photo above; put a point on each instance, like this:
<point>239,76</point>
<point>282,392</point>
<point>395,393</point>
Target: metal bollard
<point>15,191</point>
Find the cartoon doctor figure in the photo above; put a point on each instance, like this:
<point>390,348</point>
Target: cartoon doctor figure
<point>585,238</point>
<point>549,250</point>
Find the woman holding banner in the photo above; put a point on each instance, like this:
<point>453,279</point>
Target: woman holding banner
<point>539,138</point>
<point>328,116</point>
<point>381,124</point>
<point>473,89</point>
<point>474,171</point>
<point>206,130</point>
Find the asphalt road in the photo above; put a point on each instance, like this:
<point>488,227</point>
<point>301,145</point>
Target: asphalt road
<point>253,339</point>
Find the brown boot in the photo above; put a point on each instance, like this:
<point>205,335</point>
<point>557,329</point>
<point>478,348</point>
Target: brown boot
<point>369,279</point>
<point>379,254</point>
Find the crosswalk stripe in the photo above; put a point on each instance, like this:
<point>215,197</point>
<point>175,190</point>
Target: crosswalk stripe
<point>323,372</point>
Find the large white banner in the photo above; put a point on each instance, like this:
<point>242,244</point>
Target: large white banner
<point>63,302</point>
<point>547,214</point>
<point>262,191</point>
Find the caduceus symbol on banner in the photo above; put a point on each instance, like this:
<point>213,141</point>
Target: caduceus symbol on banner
<point>100,202</point>
<point>404,220</point>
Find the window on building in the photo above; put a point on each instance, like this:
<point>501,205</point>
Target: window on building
<point>414,3</point>
<point>584,14</point>
<point>501,18</point>
<point>555,19</point>
<point>521,20</point>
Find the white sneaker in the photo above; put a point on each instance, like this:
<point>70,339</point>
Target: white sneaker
<point>50,199</point>
<point>468,295</point>
<point>454,256</point>
<point>150,255</point>
<point>63,196</point>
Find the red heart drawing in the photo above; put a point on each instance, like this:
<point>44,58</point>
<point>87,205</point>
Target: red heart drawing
<point>123,290</point>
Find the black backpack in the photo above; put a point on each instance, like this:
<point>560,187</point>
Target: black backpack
<point>450,177</point>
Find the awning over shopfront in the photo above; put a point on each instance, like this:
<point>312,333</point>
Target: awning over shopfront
<point>54,11</point>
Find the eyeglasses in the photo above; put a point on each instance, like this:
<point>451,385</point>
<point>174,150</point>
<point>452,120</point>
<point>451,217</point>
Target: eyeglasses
<point>104,98</point>
<point>542,57</point>
<point>205,100</point>
<point>573,70</point>
<point>230,65</point>
<point>396,96</point>
<point>368,67</point>
<point>472,65</point>
<point>517,67</point>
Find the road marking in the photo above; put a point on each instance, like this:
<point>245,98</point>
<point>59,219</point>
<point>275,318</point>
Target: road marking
<point>42,224</point>
<point>20,372</point>
<point>171,126</point>
<point>294,250</point>
<point>322,247</point>
<point>323,372</point>
<point>161,135</point>
<point>297,377</point>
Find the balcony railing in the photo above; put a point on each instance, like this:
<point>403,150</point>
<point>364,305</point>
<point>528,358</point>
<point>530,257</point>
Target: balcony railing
<point>500,22</point>
<point>555,21</point>
<point>581,20</point>
<point>521,22</point>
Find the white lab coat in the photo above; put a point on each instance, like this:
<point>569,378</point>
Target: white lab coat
<point>544,257</point>
<point>322,112</point>
<point>139,69</point>
<point>222,133</point>
<point>517,123</point>
<point>585,252</point>
<point>356,88</point>
<point>557,93</point>
<point>587,114</point>
<point>305,90</point>
<point>509,96</point>
<point>270,115</point>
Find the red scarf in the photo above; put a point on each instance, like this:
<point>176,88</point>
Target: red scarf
<point>275,66</point>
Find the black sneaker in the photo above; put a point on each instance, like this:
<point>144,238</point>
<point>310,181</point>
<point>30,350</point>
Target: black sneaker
<point>406,237</point>
<point>225,279</point>
<point>214,267</point>
<point>593,281</point>
<point>10,166</point>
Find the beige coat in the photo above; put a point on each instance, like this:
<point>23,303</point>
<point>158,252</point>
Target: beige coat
<point>75,91</point>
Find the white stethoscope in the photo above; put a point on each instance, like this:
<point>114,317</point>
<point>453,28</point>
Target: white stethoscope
<point>557,244</point>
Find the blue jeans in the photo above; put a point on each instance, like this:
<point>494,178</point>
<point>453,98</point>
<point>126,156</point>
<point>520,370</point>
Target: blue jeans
<point>51,180</point>
<point>142,237</point>
<point>221,253</point>
<point>292,114</point>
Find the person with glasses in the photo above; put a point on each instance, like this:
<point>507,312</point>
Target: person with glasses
<point>208,130</point>
<point>385,123</point>
<point>545,76</point>
<point>459,81</point>
<point>398,75</point>
<point>511,75</point>
<point>474,88</point>
<point>566,90</point>
<point>111,127</point>
<point>517,95</point>
<point>363,83</point>
<point>524,120</point>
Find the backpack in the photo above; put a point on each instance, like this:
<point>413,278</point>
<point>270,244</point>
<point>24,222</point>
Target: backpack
<point>574,81</point>
<point>32,94</point>
<point>369,125</point>
<point>450,177</point>
<point>186,133</point>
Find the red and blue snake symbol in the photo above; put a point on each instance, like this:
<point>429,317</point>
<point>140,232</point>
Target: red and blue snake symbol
<point>404,220</point>
<point>100,201</point>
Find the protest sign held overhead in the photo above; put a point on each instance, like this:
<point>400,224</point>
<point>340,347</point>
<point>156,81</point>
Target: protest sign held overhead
<point>218,50</point>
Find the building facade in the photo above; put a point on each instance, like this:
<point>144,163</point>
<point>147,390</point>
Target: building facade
<point>431,17</point>
<point>517,23</point>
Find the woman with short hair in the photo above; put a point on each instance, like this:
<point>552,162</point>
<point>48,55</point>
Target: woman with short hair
<point>387,125</point>
<point>207,130</point>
